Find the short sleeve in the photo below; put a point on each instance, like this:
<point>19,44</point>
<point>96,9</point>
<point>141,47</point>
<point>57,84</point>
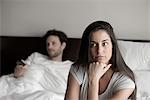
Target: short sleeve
<point>124,82</point>
<point>35,58</point>
<point>78,73</point>
<point>30,59</point>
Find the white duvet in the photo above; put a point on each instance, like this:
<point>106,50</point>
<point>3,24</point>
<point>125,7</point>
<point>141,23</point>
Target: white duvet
<point>47,80</point>
<point>137,57</point>
<point>42,85</point>
<point>19,89</point>
<point>143,84</point>
<point>44,80</point>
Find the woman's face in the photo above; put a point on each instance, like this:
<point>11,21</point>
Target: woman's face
<point>100,46</point>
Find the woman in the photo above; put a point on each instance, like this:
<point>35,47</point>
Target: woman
<point>100,72</point>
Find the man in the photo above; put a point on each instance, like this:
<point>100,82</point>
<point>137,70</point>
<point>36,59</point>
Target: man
<point>41,77</point>
<point>55,44</point>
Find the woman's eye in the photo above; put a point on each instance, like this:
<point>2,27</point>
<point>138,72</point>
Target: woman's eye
<point>105,44</point>
<point>93,45</point>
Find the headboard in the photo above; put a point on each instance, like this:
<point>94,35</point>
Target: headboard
<point>13,48</point>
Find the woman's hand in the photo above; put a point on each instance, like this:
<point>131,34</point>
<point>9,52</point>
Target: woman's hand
<point>97,70</point>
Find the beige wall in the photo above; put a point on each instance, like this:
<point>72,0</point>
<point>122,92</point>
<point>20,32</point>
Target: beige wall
<point>33,17</point>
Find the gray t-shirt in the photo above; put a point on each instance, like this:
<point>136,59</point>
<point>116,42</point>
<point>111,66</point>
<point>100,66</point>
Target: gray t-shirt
<point>117,82</point>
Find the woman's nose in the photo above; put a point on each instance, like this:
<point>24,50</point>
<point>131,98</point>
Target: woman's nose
<point>100,49</point>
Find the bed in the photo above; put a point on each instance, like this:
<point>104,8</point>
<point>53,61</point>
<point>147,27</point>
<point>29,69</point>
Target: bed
<point>13,48</point>
<point>136,54</point>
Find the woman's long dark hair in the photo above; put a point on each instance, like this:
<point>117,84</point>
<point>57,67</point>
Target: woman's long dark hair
<point>116,60</point>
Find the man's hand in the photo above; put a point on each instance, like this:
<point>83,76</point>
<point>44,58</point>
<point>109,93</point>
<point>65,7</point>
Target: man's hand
<point>19,70</point>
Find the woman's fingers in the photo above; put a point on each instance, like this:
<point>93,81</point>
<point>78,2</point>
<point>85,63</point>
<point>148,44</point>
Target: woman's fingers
<point>97,69</point>
<point>107,67</point>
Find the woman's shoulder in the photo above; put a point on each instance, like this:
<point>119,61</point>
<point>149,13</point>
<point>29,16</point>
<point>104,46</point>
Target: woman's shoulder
<point>118,76</point>
<point>78,68</point>
<point>122,81</point>
<point>78,72</point>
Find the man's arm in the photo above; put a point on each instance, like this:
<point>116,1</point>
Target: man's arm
<point>21,66</point>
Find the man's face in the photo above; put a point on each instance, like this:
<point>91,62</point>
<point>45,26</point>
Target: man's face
<point>54,46</point>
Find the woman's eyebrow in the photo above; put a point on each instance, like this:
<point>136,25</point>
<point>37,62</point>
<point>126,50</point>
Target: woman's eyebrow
<point>105,40</point>
<point>102,40</point>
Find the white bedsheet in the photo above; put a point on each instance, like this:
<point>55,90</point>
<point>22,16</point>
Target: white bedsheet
<point>22,90</point>
<point>15,89</point>
<point>37,95</point>
<point>39,83</point>
<point>143,84</point>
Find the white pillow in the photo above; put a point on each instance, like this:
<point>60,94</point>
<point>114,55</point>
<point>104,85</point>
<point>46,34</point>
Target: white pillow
<point>142,81</point>
<point>135,54</point>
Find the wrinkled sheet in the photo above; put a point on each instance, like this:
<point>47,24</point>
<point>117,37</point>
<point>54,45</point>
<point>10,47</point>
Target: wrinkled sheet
<point>143,84</point>
<point>38,83</point>
<point>22,90</point>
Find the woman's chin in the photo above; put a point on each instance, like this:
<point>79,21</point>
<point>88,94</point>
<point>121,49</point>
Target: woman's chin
<point>102,61</point>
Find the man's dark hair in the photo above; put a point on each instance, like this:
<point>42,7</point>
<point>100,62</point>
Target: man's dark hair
<point>61,35</point>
